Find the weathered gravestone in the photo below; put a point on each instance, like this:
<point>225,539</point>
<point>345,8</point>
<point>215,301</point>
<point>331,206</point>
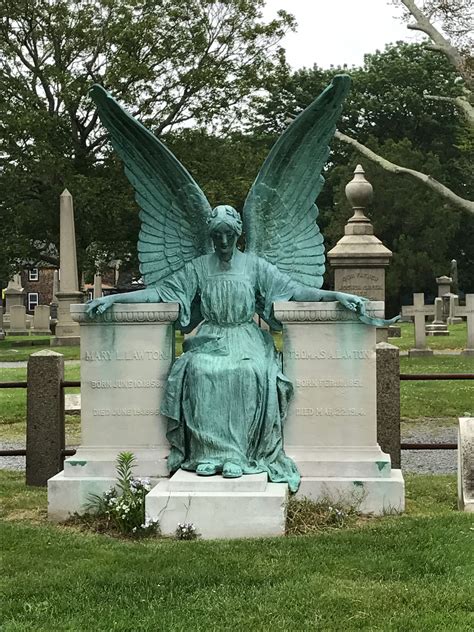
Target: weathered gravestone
<point>466,464</point>
<point>41,320</point>
<point>18,321</point>
<point>438,326</point>
<point>97,285</point>
<point>454,317</point>
<point>468,312</point>
<point>419,311</point>
<point>2,332</point>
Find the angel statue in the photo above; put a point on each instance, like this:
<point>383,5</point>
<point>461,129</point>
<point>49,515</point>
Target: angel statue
<point>226,397</point>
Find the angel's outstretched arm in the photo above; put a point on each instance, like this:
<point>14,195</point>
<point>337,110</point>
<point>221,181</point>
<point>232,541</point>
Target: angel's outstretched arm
<point>100,305</point>
<point>352,302</point>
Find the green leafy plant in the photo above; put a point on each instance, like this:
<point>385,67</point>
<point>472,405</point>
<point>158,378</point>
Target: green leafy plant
<point>122,507</point>
<point>186,531</point>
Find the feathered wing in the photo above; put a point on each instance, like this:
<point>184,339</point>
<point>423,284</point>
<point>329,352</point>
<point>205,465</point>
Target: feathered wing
<point>280,213</point>
<point>174,210</point>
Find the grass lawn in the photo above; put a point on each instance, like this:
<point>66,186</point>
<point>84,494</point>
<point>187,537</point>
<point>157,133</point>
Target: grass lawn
<point>16,348</point>
<point>400,573</point>
<point>437,398</point>
<point>456,340</point>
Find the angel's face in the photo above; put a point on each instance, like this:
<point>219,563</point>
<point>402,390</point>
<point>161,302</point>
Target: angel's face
<point>224,239</point>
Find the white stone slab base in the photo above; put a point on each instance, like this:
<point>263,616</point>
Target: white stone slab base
<point>98,462</point>
<point>353,462</point>
<point>65,341</point>
<point>68,495</point>
<point>375,495</point>
<point>220,508</point>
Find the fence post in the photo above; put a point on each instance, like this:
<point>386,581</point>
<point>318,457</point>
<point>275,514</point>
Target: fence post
<point>388,400</point>
<point>45,417</point>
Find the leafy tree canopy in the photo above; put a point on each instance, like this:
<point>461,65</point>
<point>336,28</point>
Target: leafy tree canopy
<point>172,63</point>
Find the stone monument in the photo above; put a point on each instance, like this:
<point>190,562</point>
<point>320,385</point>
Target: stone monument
<point>359,258</point>
<point>97,285</point>
<point>438,326</point>
<point>2,332</point>
<point>18,321</point>
<point>468,312</point>
<point>67,331</point>
<point>466,464</point>
<point>14,294</point>
<point>41,321</point>
<point>226,398</point>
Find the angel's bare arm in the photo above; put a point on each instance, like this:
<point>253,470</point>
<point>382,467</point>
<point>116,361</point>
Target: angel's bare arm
<point>100,305</point>
<point>350,301</point>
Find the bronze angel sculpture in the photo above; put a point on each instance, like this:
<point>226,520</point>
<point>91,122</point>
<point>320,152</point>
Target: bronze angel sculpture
<point>226,397</point>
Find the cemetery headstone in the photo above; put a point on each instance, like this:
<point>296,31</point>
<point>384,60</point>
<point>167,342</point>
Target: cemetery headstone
<point>468,312</point>
<point>437,327</point>
<point>359,258</point>
<point>18,321</point>
<point>454,318</point>
<point>67,331</point>
<point>466,464</point>
<point>2,332</point>
<point>41,321</point>
<point>419,311</point>
<point>14,294</point>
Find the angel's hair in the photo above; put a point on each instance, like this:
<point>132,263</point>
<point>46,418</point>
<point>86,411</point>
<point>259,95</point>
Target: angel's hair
<point>225,215</point>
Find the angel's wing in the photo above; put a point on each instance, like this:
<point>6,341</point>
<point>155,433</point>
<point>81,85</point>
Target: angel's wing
<point>279,213</point>
<point>174,210</point>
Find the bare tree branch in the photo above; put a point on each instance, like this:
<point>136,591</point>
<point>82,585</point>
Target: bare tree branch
<point>440,43</point>
<point>426,180</point>
<point>460,102</point>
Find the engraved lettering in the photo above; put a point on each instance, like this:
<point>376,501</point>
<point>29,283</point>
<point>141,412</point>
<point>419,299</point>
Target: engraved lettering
<point>146,383</point>
<point>142,354</point>
<point>124,412</point>
<point>336,354</point>
<point>327,383</point>
<point>330,412</point>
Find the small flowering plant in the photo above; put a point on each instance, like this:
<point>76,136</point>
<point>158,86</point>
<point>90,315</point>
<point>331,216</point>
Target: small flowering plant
<point>123,507</point>
<point>186,531</point>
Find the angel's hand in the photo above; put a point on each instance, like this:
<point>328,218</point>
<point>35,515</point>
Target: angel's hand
<point>99,305</point>
<point>352,302</point>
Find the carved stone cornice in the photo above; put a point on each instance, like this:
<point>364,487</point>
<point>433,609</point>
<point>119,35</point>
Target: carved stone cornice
<point>306,312</point>
<point>129,313</point>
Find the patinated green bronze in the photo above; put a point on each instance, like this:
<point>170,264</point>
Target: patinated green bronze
<point>226,397</point>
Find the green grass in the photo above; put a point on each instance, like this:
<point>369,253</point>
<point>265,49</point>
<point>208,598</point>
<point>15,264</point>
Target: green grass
<point>456,340</point>
<point>17,348</point>
<point>437,398</point>
<point>401,573</point>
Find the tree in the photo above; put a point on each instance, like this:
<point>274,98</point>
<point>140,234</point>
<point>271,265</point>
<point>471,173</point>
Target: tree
<point>385,112</point>
<point>455,13</point>
<point>172,63</point>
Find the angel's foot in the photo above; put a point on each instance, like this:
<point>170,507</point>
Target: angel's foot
<point>231,470</point>
<point>206,469</point>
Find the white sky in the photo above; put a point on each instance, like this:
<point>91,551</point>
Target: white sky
<point>339,31</point>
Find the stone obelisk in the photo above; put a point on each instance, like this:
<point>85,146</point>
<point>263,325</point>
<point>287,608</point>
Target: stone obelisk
<point>97,285</point>
<point>67,331</point>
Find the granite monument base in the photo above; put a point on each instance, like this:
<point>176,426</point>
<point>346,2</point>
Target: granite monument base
<point>220,508</point>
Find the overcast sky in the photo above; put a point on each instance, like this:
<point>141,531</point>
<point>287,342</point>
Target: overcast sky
<point>339,31</point>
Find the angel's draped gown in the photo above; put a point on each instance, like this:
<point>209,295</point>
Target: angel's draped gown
<point>226,397</point>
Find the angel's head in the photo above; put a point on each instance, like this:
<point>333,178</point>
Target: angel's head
<point>225,227</point>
